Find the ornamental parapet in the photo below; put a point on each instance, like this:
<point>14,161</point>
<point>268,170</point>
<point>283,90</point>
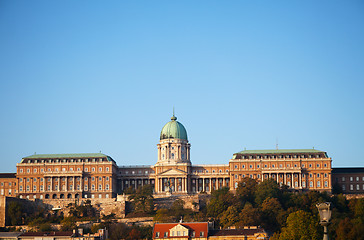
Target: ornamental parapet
<point>63,174</point>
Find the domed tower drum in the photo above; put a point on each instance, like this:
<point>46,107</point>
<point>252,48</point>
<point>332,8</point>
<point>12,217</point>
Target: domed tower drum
<point>173,146</point>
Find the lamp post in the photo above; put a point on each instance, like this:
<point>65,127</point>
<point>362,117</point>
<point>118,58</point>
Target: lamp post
<point>325,216</point>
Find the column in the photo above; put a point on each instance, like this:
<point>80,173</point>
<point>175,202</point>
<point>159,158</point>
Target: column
<point>51,184</point>
<point>284,179</point>
<point>299,181</point>
<point>81,184</point>
<point>66,183</point>
<point>186,185</point>
<point>203,184</point>
<point>159,152</point>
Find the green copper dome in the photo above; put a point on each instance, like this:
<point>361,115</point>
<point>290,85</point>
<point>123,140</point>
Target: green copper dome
<point>173,129</point>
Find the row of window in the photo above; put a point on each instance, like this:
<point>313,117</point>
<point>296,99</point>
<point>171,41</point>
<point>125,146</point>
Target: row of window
<point>179,234</point>
<point>207,171</point>
<point>296,184</point>
<point>107,169</point>
<point>55,197</point>
<point>10,184</point>
<point>281,166</point>
<point>352,179</point>
<point>139,172</point>
<point>2,192</point>
<point>282,156</point>
<point>70,187</point>
<point>70,179</point>
<point>352,187</point>
<point>64,160</point>
<point>288,175</point>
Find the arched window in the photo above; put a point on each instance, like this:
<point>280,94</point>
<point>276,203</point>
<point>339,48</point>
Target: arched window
<point>172,155</point>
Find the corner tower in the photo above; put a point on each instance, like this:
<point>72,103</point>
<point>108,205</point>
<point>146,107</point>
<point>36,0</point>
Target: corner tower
<point>173,147</point>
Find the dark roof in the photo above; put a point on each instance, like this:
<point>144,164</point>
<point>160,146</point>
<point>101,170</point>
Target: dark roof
<point>9,234</point>
<point>7,175</point>
<point>67,156</point>
<point>236,232</point>
<point>275,151</point>
<point>41,234</point>
<point>348,170</point>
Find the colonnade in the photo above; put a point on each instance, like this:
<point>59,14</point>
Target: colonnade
<point>135,182</point>
<point>287,178</point>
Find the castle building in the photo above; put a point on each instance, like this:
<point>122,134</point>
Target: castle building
<point>96,175</point>
<point>202,231</point>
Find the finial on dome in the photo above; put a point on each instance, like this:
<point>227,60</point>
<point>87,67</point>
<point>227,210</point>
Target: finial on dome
<point>173,118</point>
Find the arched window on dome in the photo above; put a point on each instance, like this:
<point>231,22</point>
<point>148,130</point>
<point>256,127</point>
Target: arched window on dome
<point>162,156</point>
<point>172,155</point>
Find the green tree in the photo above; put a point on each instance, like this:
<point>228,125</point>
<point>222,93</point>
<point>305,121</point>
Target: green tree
<point>45,227</point>
<point>230,217</point>
<point>143,201</point>
<point>163,216</point>
<point>300,225</point>
<point>68,224</point>
<point>246,189</point>
<point>221,199</point>
<point>249,216</point>
<point>15,213</point>
<point>267,189</point>
<point>271,214</point>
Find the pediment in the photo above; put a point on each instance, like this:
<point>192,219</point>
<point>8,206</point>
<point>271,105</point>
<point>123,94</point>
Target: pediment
<point>179,227</point>
<point>173,172</point>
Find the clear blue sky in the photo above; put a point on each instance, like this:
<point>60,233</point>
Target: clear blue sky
<point>90,76</point>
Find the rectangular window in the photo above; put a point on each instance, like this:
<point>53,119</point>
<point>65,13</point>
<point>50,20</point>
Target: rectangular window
<point>304,184</point>
<point>201,234</point>
<point>357,179</point>
<point>343,179</point>
<point>357,187</point>
<point>351,179</point>
<point>351,187</point>
<point>343,187</point>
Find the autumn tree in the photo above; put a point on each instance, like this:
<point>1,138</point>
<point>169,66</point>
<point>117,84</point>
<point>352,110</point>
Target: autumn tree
<point>15,213</point>
<point>246,189</point>
<point>230,217</point>
<point>143,201</point>
<point>272,214</point>
<point>269,188</point>
<point>249,216</point>
<point>300,225</point>
<point>221,199</point>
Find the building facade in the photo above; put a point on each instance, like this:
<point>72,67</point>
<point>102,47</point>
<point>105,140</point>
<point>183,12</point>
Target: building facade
<point>96,175</point>
<point>349,180</point>
<point>8,186</point>
<point>202,231</point>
